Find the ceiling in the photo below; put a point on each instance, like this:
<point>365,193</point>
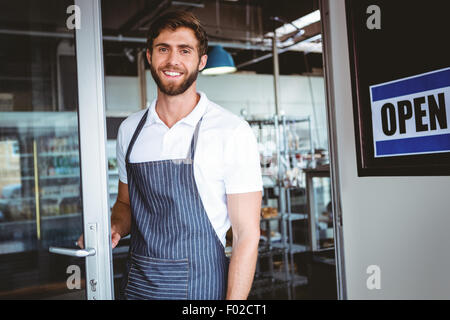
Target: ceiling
<point>243,27</point>
<point>228,21</point>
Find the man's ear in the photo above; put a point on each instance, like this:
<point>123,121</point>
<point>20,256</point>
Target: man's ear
<point>149,57</point>
<point>203,61</point>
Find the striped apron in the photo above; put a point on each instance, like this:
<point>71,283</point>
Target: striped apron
<point>175,252</point>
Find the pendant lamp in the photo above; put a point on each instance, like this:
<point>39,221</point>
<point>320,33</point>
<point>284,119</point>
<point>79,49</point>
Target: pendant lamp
<point>219,62</point>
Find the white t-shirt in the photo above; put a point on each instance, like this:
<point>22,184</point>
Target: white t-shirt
<point>226,158</point>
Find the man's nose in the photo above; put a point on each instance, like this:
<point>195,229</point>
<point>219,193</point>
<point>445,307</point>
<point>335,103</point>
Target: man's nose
<point>173,58</point>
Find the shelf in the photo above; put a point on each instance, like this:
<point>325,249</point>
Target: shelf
<point>295,279</point>
<point>43,218</point>
<point>271,121</point>
<point>47,154</point>
<point>296,216</point>
<point>12,247</point>
<point>58,154</point>
<point>328,261</point>
<point>16,178</point>
<point>264,285</point>
<point>277,217</point>
<point>264,250</point>
<point>266,281</point>
<point>286,278</point>
<point>294,248</point>
<point>61,216</point>
<point>288,216</point>
<point>17,155</point>
<point>297,151</point>
<point>294,187</point>
<point>61,176</point>
<point>63,195</point>
<point>52,196</point>
<point>298,280</point>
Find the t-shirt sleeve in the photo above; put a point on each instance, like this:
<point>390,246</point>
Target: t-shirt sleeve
<point>242,170</point>
<point>120,154</point>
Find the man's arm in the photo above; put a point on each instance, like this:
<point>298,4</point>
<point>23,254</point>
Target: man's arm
<point>244,210</point>
<point>120,217</point>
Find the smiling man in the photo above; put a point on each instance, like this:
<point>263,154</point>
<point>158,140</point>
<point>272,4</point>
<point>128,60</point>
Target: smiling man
<point>189,170</point>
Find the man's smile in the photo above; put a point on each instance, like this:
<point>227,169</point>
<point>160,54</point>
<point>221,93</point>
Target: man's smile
<point>172,74</point>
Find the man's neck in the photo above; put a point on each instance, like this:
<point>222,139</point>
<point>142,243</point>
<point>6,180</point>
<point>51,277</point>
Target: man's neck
<point>172,109</point>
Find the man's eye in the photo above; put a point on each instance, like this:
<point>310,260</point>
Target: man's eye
<point>185,51</point>
<point>162,49</point>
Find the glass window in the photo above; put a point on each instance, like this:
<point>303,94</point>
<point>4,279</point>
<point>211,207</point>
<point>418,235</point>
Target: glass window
<point>40,191</point>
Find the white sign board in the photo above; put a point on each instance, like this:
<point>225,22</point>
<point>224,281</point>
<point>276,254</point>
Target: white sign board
<point>412,115</point>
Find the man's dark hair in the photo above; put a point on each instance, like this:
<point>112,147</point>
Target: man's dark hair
<point>174,20</point>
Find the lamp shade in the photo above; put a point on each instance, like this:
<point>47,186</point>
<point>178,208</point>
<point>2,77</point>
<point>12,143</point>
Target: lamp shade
<point>219,62</point>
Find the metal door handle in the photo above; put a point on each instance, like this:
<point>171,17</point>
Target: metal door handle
<point>80,253</point>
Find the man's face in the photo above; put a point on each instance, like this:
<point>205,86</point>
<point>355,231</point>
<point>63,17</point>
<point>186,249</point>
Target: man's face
<point>174,60</point>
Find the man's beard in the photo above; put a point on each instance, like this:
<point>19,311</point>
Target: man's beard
<point>172,89</point>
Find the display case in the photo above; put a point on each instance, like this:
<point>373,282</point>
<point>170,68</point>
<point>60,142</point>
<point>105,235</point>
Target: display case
<point>39,180</point>
<point>320,226</point>
<point>40,198</point>
<point>113,171</point>
<point>120,252</point>
<point>112,128</point>
<point>286,149</point>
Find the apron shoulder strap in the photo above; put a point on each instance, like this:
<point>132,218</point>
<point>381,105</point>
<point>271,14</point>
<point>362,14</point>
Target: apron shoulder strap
<point>191,152</point>
<point>135,135</point>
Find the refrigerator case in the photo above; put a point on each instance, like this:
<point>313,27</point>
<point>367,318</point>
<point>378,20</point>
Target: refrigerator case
<point>40,189</point>
<point>113,172</point>
<point>112,127</point>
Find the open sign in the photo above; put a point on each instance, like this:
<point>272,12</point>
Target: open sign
<point>412,115</point>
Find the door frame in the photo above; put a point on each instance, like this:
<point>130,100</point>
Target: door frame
<point>92,139</point>
<point>333,150</point>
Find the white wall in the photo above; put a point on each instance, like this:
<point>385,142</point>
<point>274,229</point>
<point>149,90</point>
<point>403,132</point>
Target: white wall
<point>234,92</point>
<point>122,95</point>
<point>255,93</point>
<point>400,224</point>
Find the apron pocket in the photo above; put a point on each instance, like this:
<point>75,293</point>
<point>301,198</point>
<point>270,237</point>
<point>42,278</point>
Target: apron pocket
<point>154,278</point>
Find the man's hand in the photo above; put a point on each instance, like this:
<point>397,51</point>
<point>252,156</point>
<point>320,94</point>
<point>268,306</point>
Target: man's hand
<point>115,237</point>
<point>120,217</point>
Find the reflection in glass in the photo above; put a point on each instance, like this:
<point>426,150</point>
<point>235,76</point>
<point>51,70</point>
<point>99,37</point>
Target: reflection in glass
<point>323,212</point>
<point>40,196</point>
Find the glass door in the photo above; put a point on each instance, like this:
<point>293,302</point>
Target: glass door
<point>53,183</point>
